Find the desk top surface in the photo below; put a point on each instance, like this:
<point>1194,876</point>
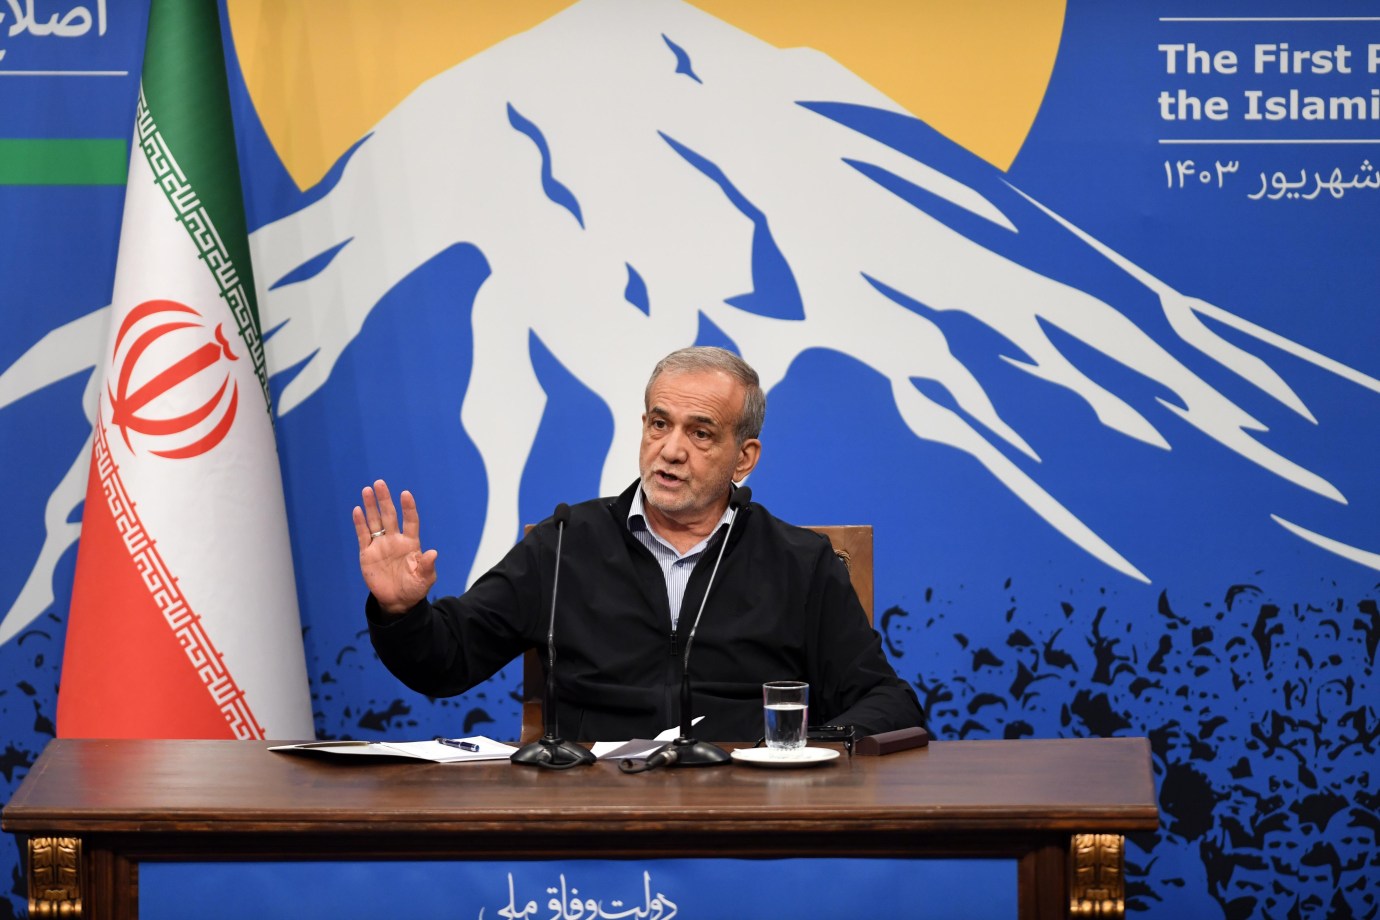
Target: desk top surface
<point>98,786</point>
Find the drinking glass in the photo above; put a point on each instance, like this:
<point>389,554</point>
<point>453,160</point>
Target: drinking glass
<point>786,706</point>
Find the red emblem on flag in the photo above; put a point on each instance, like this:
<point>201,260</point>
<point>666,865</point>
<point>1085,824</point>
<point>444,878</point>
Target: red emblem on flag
<point>180,392</point>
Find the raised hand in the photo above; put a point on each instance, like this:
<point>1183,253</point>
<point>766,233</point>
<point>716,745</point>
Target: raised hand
<point>395,569</point>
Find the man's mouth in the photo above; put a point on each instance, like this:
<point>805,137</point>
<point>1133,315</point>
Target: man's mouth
<point>664,477</point>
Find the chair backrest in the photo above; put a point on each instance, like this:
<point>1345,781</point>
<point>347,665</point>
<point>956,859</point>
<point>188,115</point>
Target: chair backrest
<point>852,543</point>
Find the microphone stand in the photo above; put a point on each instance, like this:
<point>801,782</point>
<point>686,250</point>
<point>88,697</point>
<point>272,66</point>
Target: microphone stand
<point>685,751</point>
<point>551,751</point>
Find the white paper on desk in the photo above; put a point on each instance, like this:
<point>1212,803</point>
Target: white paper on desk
<point>419,750</point>
<point>638,748</point>
<point>437,752</point>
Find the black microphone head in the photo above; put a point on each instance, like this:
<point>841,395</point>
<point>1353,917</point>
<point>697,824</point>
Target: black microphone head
<point>741,496</point>
<point>562,514</point>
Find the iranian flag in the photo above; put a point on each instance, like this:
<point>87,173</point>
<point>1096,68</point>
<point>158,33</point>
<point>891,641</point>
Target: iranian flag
<point>184,619</point>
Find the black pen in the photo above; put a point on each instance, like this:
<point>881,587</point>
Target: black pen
<point>462,745</point>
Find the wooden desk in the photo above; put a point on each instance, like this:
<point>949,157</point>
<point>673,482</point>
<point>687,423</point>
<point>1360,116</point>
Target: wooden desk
<point>91,810</point>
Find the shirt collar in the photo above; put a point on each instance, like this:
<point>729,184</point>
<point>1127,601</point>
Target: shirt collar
<point>637,515</point>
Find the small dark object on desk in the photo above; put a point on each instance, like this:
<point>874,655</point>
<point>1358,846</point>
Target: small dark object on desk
<point>903,739</point>
<point>841,733</point>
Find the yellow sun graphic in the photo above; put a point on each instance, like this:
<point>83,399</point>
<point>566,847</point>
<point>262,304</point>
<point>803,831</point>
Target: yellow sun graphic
<point>976,70</point>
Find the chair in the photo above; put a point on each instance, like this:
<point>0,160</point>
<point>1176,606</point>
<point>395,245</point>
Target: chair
<point>852,543</point>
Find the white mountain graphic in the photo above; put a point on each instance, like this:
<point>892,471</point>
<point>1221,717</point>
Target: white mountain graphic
<point>630,165</point>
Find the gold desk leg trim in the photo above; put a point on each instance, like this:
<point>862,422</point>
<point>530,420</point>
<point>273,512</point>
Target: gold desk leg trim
<point>54,877</point>
<point>1097,884</point>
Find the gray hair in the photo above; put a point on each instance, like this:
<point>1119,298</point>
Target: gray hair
<point>710,358</point>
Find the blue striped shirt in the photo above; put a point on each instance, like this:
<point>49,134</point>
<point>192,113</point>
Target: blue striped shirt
<point>675,566</point>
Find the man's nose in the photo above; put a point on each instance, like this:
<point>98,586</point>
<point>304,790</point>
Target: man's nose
<point>673,447</point>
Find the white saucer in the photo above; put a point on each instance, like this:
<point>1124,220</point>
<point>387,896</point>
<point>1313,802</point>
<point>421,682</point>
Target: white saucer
<point>804,757</point>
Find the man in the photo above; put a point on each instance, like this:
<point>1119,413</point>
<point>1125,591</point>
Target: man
<point>633,575</point>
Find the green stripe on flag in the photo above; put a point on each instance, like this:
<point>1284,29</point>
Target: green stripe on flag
<point>187,91</point>
<point>61,161</point>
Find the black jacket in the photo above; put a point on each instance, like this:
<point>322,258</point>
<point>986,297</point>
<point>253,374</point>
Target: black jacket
<point>781,608</point>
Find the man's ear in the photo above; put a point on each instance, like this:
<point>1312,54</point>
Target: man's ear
<point>748,454</point>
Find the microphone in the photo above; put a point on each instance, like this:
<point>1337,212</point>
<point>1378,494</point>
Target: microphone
<point>685,751</point>
<point>551,751</point>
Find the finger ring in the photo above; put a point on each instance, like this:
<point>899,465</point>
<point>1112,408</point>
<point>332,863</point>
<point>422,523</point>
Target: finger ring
<point>378,533</point>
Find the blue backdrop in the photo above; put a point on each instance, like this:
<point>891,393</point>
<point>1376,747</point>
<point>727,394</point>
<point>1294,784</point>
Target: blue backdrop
<point>1130,491</point>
